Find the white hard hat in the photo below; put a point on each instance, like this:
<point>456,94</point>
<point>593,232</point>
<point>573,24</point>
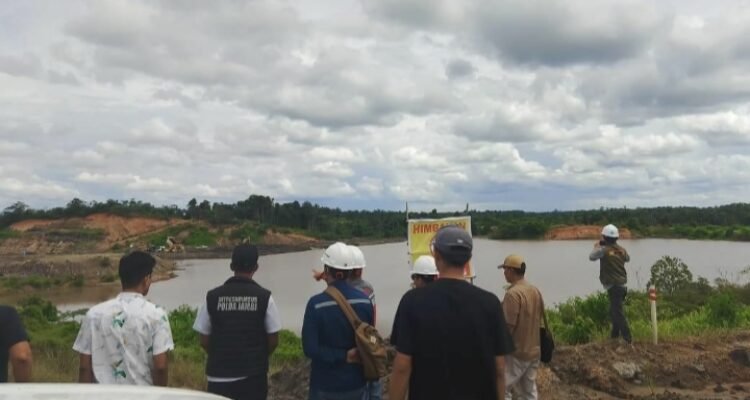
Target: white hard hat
<point>425,265</point>
<point>339,256</point>
<point>610,231</point>
<point>358,258</point>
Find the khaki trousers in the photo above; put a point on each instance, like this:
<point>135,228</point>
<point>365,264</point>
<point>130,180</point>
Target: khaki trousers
<point>520,379</point>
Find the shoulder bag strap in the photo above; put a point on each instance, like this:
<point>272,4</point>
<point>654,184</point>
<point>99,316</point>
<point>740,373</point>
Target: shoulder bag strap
<point>344,305</point>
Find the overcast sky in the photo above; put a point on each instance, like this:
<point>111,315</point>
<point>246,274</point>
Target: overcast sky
<point>533,105</point>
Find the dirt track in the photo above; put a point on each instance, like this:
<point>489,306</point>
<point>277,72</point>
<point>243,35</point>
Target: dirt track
<point>706,368</point>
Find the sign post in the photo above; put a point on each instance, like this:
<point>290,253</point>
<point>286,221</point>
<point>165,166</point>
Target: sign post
<point>654,323</point>
<point>422,231</point>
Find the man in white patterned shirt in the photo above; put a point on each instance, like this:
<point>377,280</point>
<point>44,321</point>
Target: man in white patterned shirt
<point>125,340</point>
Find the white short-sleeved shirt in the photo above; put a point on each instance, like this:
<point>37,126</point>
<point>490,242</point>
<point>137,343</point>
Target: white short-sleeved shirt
<point>122,336</point>
<point>202,325</point>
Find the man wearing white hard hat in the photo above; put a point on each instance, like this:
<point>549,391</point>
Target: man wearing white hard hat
<point>424,271</point>
<point>327,335</point>
<point>612,258</point>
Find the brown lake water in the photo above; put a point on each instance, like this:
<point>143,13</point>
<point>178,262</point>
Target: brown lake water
<point>560,269</point>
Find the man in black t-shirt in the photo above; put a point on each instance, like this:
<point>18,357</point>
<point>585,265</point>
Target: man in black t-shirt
<point>451,335</point>
<point>14,346</point>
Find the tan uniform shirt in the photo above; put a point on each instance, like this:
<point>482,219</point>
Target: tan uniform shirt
<point>522,306</point>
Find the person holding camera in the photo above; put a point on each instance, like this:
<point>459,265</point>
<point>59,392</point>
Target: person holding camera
<point>612,258</point>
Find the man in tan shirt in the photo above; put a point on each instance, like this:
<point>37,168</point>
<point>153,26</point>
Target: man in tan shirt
<point>522,307</point>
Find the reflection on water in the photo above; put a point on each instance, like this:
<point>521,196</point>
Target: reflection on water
<point>561,269</point>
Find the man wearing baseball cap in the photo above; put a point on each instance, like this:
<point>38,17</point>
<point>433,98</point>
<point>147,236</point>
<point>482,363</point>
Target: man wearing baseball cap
<point>522,307</point>
<point>239,328</point>
<point>451,335</point>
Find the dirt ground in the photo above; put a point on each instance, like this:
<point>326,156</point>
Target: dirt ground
<point>92,267</point>
<point>706,368</point>
<point>116,228</point>
<point>711,368</point>
<point>577,232</point>
<point>40,237</point>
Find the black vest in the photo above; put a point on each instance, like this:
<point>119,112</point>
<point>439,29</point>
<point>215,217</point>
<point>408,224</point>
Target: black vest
<point>238,344</point>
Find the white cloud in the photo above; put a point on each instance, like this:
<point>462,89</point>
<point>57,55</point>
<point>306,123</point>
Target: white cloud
<point>333,168</point>
<point>377,102</point>
<point>370,186</point>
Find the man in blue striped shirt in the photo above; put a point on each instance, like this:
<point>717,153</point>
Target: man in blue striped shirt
<point>327,335</point>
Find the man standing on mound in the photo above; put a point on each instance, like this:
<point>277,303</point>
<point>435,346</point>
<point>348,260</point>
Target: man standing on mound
<point>239,327</point>
<point>612,258</point>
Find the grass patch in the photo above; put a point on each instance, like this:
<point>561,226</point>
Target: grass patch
<point>201,236</point>
<point>8,234</point>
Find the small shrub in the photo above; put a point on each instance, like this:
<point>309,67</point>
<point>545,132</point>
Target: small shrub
<point>595,308</point>
<point>289,349</point>
<point>582,330</point>
<point>723,310</point>
<point>38,309</point>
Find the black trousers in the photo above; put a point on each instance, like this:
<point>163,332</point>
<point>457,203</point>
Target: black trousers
<point>619,323</point>
<point>251,388</point>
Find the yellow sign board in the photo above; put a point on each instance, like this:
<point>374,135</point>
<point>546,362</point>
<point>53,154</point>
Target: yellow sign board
<point>421,232</point>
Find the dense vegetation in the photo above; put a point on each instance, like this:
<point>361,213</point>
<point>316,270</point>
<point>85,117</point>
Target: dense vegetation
<point>727,222</point>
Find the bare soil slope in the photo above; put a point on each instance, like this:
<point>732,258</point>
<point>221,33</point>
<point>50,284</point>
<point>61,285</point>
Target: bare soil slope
<point>98,233</point>
<point>276,238</point>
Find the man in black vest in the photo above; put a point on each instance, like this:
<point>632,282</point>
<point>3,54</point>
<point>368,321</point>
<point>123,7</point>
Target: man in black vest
<point>239,326</point>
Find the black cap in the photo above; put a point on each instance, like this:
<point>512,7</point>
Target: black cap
<point>245,257</point>
<point>453,240</point>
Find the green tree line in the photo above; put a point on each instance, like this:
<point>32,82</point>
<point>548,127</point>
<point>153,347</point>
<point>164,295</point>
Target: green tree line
<point>730,222</point>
